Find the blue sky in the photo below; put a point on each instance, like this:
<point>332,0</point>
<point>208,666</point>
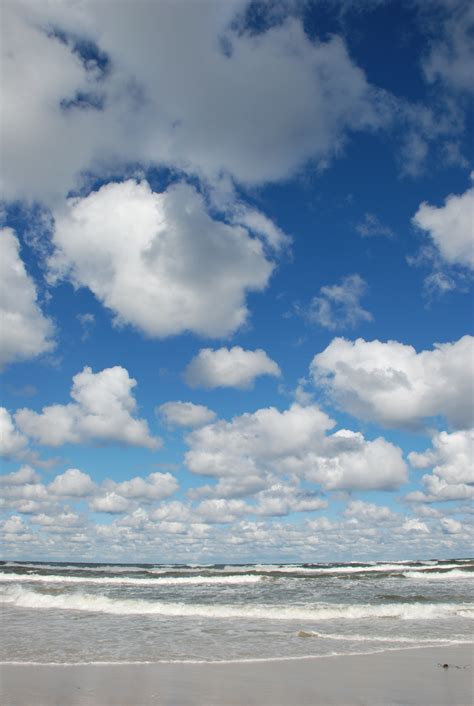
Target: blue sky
<point>236,280</point>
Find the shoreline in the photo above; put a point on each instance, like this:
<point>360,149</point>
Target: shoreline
<point>408,676</point>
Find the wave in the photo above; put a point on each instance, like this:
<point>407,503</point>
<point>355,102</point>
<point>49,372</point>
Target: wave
<point>381,638</point>
<point>25,598</point>
<point>125,581</point>
<point>439,575</point>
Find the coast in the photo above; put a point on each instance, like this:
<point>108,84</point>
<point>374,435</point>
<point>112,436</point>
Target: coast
<point>410,676</point>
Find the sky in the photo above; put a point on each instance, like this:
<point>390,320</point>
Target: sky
<point>236,280</point>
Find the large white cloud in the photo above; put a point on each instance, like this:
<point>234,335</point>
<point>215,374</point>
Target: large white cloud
<point>270,443</point>
<point>102,411</point>
<point>224,367</point>
<point>73,483</point>
<point>451,227</point>
<point>158,260</point>
<point>24,331</point>
<point>391,384</point>
<point>252,105</point>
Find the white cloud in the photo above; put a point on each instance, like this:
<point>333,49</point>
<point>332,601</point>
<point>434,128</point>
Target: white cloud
<point>111,503</point>
<point>218,510</point>
<point>12,442</point>
<point>451,458</point>
<point>270,443</point>
<point>73,483</point>
<point>156,486</point>
<point>338,305</point>
<point>391,384</point>
<point>451,526</point>
<point>256,106</point>
<point>234,367</point>
<point>415,525</point>
<point>369,512</point>
<point>451,227</point>
<point>24,331</point>
<point>102,411</point>
<point>185,414</point>
<point>158,261</point>
<point>25,474</point>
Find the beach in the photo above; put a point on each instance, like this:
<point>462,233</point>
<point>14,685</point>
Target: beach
<point>399,677</point>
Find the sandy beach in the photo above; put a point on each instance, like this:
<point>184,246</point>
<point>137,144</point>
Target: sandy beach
<point>401,677</point>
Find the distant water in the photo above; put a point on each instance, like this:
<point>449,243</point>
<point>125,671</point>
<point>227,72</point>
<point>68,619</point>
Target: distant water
<point>57,612</point>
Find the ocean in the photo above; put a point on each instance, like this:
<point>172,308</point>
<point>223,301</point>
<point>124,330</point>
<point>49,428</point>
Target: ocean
<point>141,613</point>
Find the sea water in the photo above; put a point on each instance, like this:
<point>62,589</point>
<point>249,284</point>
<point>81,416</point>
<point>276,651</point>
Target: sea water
<point>77,613</point>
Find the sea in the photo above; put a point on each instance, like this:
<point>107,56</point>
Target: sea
<point>69,613</point>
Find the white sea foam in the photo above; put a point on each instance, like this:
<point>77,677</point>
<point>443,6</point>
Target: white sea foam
<point>343,569</point>
<point>439,575</point>
<point>26,598</point>
<point>127,581</point>
<point>386,638</point>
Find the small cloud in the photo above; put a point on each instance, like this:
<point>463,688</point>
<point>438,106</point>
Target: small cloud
<point>371,227</point>
<point>87,322</point>
<point>338,305</point>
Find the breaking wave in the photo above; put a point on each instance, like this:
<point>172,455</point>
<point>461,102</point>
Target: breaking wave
<point>27,598</point>
<point>126,581</point>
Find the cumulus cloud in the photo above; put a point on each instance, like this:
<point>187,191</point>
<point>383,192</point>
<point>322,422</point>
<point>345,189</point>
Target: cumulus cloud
<point>12,441</point>
<point>451,459</point>
<point>255,106</point>
<point>393,385</point>
<point>234,367</point>
<point>338,305</point>
<point>156,486</point>
<point>73,483</point>
<point>158,261</point>
<point>269,444</point>
<point>185,414</point>
<point>24,331</point>
<point>102,411</point>
<point>450,227</point>
<point>25,474</point>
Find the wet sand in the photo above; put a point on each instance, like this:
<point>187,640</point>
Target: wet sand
<point>400,678</point>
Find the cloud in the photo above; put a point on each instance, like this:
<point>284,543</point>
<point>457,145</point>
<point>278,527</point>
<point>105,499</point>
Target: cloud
<point>102,411</point>
<point>393,385</point>
<point>25,332</point>
<point>338,305</point>
<point>224,367</point>
<point>158,261</point>
<point>254,105</point>
<point>73,483</point>
<point>156,486</point>
<point>12,442</point>
<point>25,474</point>
<point>185,414</point>
<point>450,458</point>
<point>451,55</point>
<point>371,227</point>
<point>270,444</point>
<point>450,227</point>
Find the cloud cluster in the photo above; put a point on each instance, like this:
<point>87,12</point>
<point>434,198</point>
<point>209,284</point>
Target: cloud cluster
<point>24,330</point>
<point>158,261</point>
<point>393,385</point>
<point>254,105</point>
<point>224,367</point>
<point>102,412</point>
<point>249,452</point>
